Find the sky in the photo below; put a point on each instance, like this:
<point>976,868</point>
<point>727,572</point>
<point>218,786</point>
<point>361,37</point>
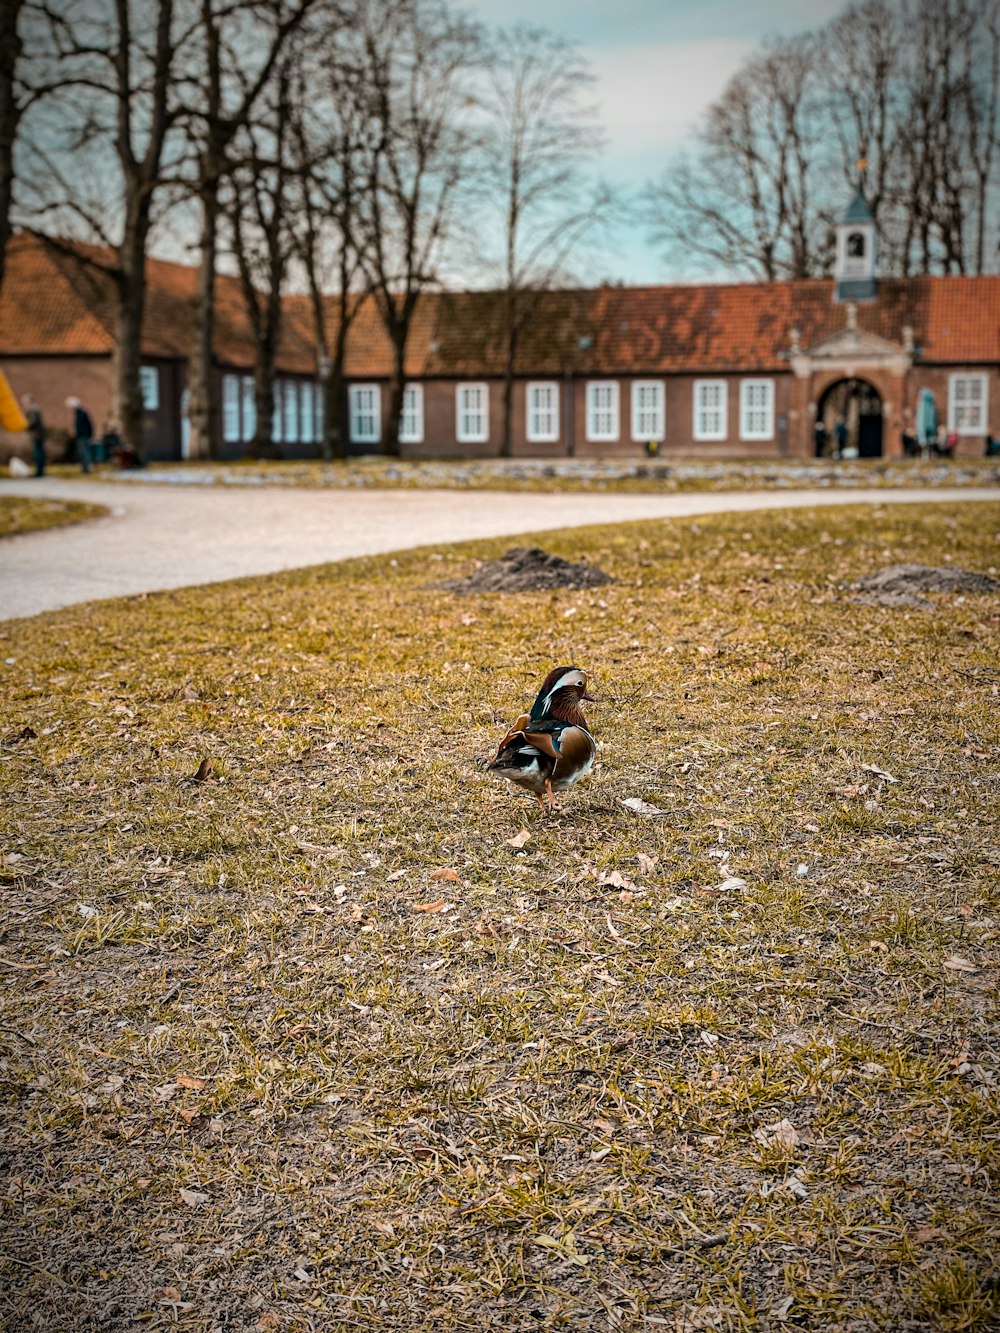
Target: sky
<point>659,64</point>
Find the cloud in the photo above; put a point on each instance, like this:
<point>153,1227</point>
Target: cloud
<point>652,95</point>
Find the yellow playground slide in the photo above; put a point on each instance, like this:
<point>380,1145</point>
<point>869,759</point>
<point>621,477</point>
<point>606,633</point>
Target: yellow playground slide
<point>11,416</point>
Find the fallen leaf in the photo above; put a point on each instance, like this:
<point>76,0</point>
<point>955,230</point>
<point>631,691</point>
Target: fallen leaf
<point>519,839</point>
<point>193,1198</point>
<point>204,768</point>
<point>733,884</point>
<point>959,964</point>
<point>169,1296</point>
<point>647,864</point>
<point>614,879</point>
<point>189,1081</point>
<point>639,807</point>
<point>444,873</point>
<point>879,772</point>
<point>438,905</point>
<point>396,874</point>
<point>781,1134</point>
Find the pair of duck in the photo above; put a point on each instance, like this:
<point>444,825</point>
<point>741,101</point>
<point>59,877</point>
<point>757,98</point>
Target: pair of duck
<point>550,748</point>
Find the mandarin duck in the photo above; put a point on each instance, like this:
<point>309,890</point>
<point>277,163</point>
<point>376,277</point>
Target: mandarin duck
<point>550,748</point>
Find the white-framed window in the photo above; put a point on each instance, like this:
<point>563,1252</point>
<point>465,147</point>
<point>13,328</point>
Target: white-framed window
<point>411,423</point>
<point>318,404</point>
<point>365,405</point>
<point>249,408</point>
<point>602,410</point>
<point>291,412</point>
<point>757,409</point>
<point>278,415</point>
<point>710,409</point>
<point>231,408</point>
<point>968,401</point>
<point>149,384</point>
<point>647,410</point>
<point>472,413</point>
<point>307,418</point>
<point>543,412</point>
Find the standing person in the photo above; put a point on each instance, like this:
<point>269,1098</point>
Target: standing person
<point>36,432</point>
<point>841,432</point>
<point>83,431</point>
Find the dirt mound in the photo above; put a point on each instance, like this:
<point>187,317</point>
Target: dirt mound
<point>527,569</point>
<point>900,585</point>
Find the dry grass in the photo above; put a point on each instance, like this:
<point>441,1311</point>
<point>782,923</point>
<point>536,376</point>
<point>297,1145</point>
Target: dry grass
<point>27,514</point>
<point>253,1080</point>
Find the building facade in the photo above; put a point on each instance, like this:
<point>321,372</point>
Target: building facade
<point>714,370</point>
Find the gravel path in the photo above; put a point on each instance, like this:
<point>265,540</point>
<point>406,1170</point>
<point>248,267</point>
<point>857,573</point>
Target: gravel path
<point>157,537</point>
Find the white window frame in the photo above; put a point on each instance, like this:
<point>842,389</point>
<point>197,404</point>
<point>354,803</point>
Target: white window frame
<point>248,408</point>
<point>748,410</point>
<point>365,417</point>
<point>955,409</point>
<point>307,418</point>
<point>541,423</point>
<point>291,412</point>
<point>472,423</point>
<point>654,416</point>
<point>149,383</point>
<point>231,409</point>
<point>596,431</point>
<point>278,415</point>
<point>411,421</point>
<point>698,429</point>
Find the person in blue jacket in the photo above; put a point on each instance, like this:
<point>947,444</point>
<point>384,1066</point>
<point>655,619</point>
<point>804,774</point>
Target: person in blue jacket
<point>83,431</point>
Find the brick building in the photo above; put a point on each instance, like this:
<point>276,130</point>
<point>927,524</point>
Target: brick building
<point>713,370</point>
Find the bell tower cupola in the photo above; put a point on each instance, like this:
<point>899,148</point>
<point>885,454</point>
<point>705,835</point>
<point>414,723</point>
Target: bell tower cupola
<point>854,266</point>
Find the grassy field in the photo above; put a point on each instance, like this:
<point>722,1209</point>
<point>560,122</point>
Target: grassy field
<point>26,514</point>
<point>346,1035</point>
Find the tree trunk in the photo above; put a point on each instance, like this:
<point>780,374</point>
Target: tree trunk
<point>203,409</point>
<point>263,385</point>
<point>397,383</point>
<point>10,115</point>
<point>335,433</point>
<point>131,280</point>
<point>506,443</point>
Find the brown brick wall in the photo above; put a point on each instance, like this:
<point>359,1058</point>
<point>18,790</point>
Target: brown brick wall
<point>53,379</point>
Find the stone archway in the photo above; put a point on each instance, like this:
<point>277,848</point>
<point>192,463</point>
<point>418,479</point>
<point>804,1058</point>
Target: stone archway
<point>858,404</point>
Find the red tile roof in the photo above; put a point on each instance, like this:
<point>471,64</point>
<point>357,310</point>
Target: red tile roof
<point>664,330</point>
<point>52,301</point>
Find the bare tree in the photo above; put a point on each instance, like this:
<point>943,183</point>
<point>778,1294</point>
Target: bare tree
<point>237,43</point>
<point>540,135</point>
<point>745,197</point>
<point>257,210</point>
<point>862,52</point>
<point>117,76</point>
<point>903,94</point>
<point>330,131</point>
<point>11,110</point>
<point>413,62</point>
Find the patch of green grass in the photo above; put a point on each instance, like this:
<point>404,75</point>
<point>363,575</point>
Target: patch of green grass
<point>27,514</point>
<point>320,1041</point>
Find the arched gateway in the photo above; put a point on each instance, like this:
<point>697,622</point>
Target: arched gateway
<point>858,404</point>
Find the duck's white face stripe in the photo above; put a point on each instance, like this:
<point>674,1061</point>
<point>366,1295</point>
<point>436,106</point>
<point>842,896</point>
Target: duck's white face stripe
<point>570,678</point>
